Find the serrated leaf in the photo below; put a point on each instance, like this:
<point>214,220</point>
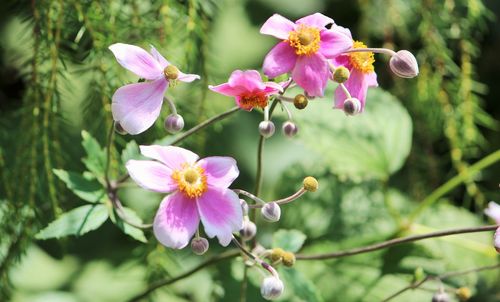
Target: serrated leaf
<point>87,189</point>
<point>302,287</point>
<point>132,231</point>
<point>289,240</point>
<point>131,151</point>
<point>75,222</point>
<point>96,156</point>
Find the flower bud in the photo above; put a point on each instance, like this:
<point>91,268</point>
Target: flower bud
<point>352,106</point>
<point>496,240</point>
<point>441,297</point>
<point>310,184</point>
<point>277,254</point>
<point>289,129</point>
<point>244,207</point>
<point>199,245</point>
<point>266,129</point>
<point>174,123</point>
<point>300,101</point>
<point>119,129</point>
<point>171,72</point>
<point>271,212</point>
<point>341,74</point>
<point>249,230</point>
<point>404,64</point>
<point>288,259</point>
<point>271,288</point>
<point>463,293</point>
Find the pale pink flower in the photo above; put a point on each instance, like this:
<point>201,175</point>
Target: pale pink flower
<point>198,191</point>
<point>304,49</point>
<point>137,106</point>
<point>248,89</point>
<point>493,211</point>
<point>362,73</point>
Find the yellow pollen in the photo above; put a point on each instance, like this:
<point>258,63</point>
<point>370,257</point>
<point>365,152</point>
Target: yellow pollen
<point>171,72</point>
<point>305,40</point>
<point>247,102</point>
<point>362,61</point>
<point>191,180</point>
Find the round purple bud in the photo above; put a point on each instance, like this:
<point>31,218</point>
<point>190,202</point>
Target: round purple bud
<point>441,296</point>
<point>496,240</point>
<point>199,245</point>
<point>271,288</point>
<point>249,230</point>
<point>271,212</point>
<point>289,129</point>
<point>119,129</point>
<point>352,106</point>
<point>404,64</point>
<point>174,123</point>
<point>266,128</point>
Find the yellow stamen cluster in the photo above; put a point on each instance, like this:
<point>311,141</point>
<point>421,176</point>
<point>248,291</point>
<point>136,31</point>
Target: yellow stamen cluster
<point>255,100</point>
<point>287,258</point>
<point>171,72</point>
<point>305,40</point>
<point>362,61</point>
<point>191,180</point>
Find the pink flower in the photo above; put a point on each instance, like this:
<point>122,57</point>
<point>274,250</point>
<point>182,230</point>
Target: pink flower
<point>198,191</point>
<point>137,106</point>
<point>493,211</point>
<point>248,89</point>
<point>362,73</point>
<point>305,47</point>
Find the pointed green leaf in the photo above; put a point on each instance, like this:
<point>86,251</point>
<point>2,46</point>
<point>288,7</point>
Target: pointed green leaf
<point>75,222</point>
<point>289,240</point>
<point>132,231</point>
<point>131,151</point>
<point>302,288</point>
<point>87,189</point>
<point>96,156</point>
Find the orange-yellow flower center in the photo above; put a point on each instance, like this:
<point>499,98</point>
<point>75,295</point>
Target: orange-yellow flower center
<point>305,40</point>
<point>171,72</point>
<point>191,180</point>
<point>362,61</point>
<point>247,102</point>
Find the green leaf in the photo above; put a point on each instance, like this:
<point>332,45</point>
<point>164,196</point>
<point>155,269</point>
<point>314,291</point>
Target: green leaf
<point>289,240</point>
<point>132,231</point>
<point>131,151</point>
<point>96,156</point>
<point>302,287</point>
<point>371,145</point>
<point>75,222</point>
<point>87,189</point>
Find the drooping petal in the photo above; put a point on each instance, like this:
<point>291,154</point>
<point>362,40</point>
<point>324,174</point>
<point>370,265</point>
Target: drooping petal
<point>272,88</point>
<point>137,106</point>
<point>334,43</point>
<point>187,77</point>
<point>158,57</point>
<point>249,80</point>
<point>312,73</point>
<point>357,85</point>
<point>277,26</point>
<point>173,157</point>
<point>151,175</point>
<point>137,60</point>
<point>281,59</point>
<point>228,90</point>
<point>221,214</point>
<point>317,20</point>
<point>493,211</point>
<point>342,30</point>
<point>220,171</point>
<point>176,221</point>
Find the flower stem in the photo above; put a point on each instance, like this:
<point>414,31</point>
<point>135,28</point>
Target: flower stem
<point>385,51</point>
<point>388,243</point>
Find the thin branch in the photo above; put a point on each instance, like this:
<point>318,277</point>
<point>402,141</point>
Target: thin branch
<point>388,243</point>
<point>215,259</point>
<point>441,277</point>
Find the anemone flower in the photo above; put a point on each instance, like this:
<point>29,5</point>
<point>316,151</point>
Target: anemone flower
<point>248,89</point>
<point>198,190</point>
<point>362,73</point>
<point>137,106</point>
<point>304,49</point>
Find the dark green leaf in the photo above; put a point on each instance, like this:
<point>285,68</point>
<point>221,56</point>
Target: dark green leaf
<point>87,189</point>
<point>289,240</point>
<point>302,288</point>
<point>132,231</point>
<point>96,156</point>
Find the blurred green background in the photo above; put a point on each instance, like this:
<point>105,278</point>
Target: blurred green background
<point>57,78</point>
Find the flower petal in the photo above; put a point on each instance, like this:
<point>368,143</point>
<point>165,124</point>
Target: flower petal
<point>137,60</point>
<point>311,73</point>
<point>357,85</point>
<point>151,175</point>
<point>220,171</point>
<point>493,211</point>
<point>277,26</point>
<point>249,80</point>
<point>281,59</point>
<point>334,43</point>
<point>176,221</point>
<point>272,88</point>
<point>228,90</point>
<point>158,57</point>
<point>137,106</point>
<point>317,20</point>
<point>187,77</point>
<point>221,214</point>
<point>173,157</point>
